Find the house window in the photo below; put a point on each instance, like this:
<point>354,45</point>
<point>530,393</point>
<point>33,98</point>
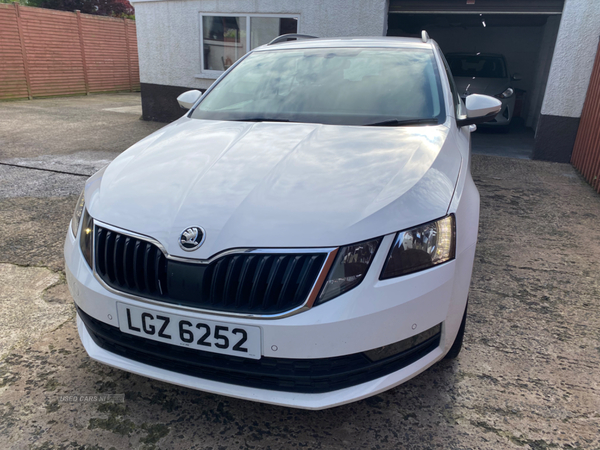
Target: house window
<point>226,38</point>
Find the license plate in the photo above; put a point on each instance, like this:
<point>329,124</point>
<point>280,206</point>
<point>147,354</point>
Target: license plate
<point>207,335</point>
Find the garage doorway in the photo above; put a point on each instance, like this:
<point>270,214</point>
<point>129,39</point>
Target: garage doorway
<point>523,32</point>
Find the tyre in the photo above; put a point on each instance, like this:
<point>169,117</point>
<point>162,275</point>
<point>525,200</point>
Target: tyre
<point>458,342</point>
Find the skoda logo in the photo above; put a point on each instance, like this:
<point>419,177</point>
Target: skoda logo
<point>192,238</point>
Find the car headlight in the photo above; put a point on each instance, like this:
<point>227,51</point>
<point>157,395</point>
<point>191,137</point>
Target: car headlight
<point>349,269</point>
<point>77,214</point>
<point>507,93</point>
<point>86,237</point>
<point>420,248</point>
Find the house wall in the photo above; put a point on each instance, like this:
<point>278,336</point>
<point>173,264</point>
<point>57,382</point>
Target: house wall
<point>169,38</point>
<point>568,80</point>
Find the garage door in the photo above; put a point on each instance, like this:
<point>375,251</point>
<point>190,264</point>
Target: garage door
<point>522,31</point>
<point>477,6</point>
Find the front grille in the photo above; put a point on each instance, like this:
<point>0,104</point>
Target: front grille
<point>247,283</point>
<point>278,374</point>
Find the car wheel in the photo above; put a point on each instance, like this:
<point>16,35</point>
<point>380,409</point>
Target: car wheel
<point>458,342</point>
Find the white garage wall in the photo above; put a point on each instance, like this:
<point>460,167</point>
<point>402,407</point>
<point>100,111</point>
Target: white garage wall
<point>573,59</point>
<point>169,35</point>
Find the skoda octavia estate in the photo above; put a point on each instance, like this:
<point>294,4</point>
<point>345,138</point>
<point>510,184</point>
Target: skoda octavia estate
<point>303,236</point>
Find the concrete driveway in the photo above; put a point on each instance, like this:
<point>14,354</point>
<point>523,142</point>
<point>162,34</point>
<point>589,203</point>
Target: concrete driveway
<point>528,376</point>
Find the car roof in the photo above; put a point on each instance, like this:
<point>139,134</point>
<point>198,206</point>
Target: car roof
<point>497,55</point>
<point>351,42</point>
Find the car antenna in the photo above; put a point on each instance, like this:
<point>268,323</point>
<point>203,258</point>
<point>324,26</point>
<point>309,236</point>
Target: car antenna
<point>424,36</point>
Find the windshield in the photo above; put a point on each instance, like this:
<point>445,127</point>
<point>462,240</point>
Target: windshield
<point>477,66</point>
<point>342,86</point>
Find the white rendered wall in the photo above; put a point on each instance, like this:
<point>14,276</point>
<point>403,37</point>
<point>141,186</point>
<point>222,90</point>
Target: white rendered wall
<point>573,58</point>
<point>168,31</point>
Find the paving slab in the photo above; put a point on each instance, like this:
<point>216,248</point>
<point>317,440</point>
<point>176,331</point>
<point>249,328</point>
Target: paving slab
<point>24,313</point>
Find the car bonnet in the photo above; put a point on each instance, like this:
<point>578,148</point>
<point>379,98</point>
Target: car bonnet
<point>253,185</point>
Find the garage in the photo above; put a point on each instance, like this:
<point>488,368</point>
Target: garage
<point>521,32</point>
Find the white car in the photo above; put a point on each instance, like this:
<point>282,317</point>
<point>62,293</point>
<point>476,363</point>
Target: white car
<point>303,236</point>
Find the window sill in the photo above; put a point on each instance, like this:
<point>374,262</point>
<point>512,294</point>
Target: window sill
<point>209,75</point>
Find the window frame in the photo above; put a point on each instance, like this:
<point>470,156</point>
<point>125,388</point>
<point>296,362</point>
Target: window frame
<point>214,74</point>
<point>459,108</point>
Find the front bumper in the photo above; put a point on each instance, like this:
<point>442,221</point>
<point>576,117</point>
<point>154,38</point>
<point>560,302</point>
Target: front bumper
<point>343,326</point>
<point>293,399</point>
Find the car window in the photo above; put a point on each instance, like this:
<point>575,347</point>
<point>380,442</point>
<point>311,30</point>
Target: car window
<point>477,66</point>
<point>343,86</point>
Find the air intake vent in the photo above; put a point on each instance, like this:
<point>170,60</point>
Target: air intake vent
<point>245,283</point>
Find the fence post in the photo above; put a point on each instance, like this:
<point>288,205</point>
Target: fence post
<point>128,53</point>
<point>82,47</point>
<point>23,50</point>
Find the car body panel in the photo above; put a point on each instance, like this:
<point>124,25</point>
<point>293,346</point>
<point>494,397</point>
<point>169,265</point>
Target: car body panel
<point>276,184</point>
<point>293,399</point>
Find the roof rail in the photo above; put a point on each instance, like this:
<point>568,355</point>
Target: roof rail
<point>287,37</point>
<point>424,36</point>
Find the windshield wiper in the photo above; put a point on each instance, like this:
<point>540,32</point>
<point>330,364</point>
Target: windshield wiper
<point>260,119</point>
<point>400,122</point>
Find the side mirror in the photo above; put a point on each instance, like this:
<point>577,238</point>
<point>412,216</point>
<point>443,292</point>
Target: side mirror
<point>480,109</point>
<point>517,77</point>
<point>188,98</point>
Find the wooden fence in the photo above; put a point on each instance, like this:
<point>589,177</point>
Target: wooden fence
<point>45,52</point>
<point>586,152</point>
